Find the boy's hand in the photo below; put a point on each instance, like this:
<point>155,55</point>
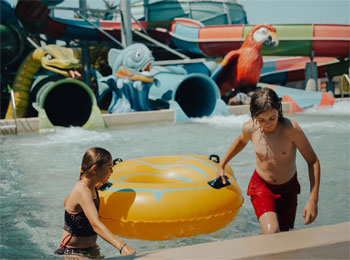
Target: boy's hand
<point>310,212</point>
<point>221,173</point>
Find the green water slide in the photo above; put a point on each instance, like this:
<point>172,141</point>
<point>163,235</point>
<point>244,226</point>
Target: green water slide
<point>66,102</point>
<point>294,40</point>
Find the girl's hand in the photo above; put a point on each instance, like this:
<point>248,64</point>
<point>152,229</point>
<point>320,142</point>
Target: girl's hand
<point>221,173</point>
<point>127,250</point>
<point>310,212</point>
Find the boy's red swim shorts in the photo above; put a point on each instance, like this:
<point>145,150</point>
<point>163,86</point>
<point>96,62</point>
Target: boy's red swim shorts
<point>282,199</point>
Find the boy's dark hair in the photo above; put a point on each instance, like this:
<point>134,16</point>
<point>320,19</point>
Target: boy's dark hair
<point>263,100</point>
<point>94,155</point>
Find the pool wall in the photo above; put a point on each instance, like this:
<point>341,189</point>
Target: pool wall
<point>323,242</point>
<point>31,125</point>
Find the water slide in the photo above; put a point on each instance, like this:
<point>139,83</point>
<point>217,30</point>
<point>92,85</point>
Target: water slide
<point>44,80</point>
<point>301,100</point>
<point>328,45</point>
<point>295,40</point>
<point>206,12</point>
<point>318,40</point>
<point>212,41</point>
<point>12,42</point>
<point>217,40</point>
<point>291,69</point>
<point>190,95</point>
<point>64,102</point>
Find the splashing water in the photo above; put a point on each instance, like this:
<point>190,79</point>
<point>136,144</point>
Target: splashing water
<point>38,170</point>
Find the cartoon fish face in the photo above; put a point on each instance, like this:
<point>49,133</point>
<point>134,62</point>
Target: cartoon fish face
<point>134,63</point>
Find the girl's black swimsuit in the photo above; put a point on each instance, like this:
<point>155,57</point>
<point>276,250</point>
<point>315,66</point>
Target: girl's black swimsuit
<point>77,223</point>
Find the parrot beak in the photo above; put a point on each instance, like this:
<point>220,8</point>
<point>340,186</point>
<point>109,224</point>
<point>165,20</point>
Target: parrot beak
<point>271,40</point>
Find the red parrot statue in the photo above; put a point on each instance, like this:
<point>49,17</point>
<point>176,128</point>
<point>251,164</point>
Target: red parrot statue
<point>240,69</point>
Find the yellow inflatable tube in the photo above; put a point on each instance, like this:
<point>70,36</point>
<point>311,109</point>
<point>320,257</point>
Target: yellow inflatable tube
<point>160,198</point>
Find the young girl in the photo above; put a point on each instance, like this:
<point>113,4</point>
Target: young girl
<point>274,186</point>
<point>81,220</point>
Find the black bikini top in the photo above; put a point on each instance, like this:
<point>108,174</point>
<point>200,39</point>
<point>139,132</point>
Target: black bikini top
<point>77,224</point>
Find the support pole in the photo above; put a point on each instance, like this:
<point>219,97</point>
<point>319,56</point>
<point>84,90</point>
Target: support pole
<point>84,47</point>
<point>100,30</point>
<point>125,8</point>
<point>311,75</point>
<point>145,9</point>
<point>330,84</point>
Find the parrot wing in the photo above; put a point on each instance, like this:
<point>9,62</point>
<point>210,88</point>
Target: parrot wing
<point>225,74</point>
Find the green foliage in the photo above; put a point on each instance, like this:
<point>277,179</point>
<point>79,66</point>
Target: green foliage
<point>98,60</point>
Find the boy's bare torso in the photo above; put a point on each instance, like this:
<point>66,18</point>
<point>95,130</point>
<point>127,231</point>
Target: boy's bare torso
<point>275,152</point>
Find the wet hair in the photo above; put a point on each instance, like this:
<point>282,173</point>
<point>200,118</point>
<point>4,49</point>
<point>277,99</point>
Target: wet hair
<point>92,156</point>
<point>265,99</point>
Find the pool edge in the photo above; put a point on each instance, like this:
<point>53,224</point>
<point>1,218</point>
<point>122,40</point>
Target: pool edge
<point>322,242</point>
<point>31,125</point>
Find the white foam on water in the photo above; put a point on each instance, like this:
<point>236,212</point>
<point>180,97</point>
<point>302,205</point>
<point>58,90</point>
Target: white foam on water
<point>339,108</point>
<point>71,135</point>
<point>336,120</point>
<point>236,121</point>
<point>232,121</point>
<point>326,126</point>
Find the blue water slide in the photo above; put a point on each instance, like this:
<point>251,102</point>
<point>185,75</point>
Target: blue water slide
<point>269,74</point>
<point>186,38</point>
<point>191,95</point>
<point>78,28</point>
<point>11,36</point>
<point>6,12</point>
<point>303,98</point>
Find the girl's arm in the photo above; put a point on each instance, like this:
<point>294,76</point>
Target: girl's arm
<point>91,213</point>
<point>305,148</point>
<point>238,144</point>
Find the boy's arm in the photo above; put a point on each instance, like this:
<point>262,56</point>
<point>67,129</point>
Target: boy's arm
<point>238,144</point>
<point>305,148</point>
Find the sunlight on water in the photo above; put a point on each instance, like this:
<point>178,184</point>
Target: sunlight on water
<point>38,170</point>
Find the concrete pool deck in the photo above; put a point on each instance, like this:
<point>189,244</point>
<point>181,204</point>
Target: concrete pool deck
<point>323,242</point>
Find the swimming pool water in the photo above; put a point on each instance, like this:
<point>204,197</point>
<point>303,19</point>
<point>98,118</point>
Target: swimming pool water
<point>38,170</point>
